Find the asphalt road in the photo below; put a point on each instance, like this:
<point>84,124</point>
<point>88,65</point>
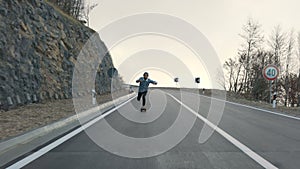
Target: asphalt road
<point>273,138</point>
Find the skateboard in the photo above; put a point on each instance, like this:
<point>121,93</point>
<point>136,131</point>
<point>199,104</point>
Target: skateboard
<point>143,109</point>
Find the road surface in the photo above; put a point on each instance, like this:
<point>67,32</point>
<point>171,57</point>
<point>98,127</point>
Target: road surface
<point>246,138</point>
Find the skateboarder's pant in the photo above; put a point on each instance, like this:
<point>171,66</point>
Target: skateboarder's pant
<point>142,94</point>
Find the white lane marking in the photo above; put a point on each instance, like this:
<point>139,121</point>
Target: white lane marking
<point>255,108</point>
<point>260,160</point>
<point>61,140</point>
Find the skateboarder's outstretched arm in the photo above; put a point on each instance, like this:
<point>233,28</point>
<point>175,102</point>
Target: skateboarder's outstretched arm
<point>153,82</point>
<point>139,80</point>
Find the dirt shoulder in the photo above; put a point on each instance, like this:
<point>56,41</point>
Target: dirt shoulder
<point>26,118</point>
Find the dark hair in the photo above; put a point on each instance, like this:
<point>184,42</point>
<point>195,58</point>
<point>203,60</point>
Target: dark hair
<point>146,73</point>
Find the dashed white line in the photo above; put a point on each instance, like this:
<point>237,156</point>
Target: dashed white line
<point>260,160</point>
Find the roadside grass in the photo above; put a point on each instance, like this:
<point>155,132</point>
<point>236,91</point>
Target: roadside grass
<point>293,111</point>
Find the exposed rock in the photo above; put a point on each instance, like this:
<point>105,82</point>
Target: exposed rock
<point>39,47</point>
<point>18,99</point>
<point>9,100</point>
<point>3,11</point>
<point>23,26</point>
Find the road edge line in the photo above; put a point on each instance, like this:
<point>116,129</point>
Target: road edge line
<point>33,134</point>
<point>260,160</point>
<point>44,150</point>
<point>255,108</point>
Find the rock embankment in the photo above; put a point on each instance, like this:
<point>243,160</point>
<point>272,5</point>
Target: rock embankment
<point>39,46</point>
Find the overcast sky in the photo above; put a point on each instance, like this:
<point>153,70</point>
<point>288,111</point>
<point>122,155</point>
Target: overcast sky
<point>219,20</point>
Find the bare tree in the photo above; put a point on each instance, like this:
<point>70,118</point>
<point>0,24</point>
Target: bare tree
<point>230,66</point>
<point>73,8</point>
<point>253,39</point>
<point>277,43</point>
<point>239,80</point>
<point>220,79</point>
<point>298,51</point>
<point>298,80</point>
<point>258,83</point>
<point>87,10</point>
<point>289,53</point>
<point>293,89</point>
<point>244,74</point>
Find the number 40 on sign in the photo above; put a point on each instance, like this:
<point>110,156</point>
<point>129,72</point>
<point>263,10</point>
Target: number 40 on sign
<point>271,72</point>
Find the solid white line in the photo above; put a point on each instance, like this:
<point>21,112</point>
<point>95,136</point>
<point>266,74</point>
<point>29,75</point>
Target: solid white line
<point>61,140</point>
<point>260,160</point>
<point>255,108</point>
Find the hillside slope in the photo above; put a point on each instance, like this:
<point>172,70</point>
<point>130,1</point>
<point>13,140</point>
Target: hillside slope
<point>38,48</point>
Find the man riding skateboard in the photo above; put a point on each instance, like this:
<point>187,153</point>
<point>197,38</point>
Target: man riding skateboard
<point>143,88</point>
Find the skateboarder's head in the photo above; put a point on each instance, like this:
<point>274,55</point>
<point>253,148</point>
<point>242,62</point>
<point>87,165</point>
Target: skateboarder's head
<point>146,75</point>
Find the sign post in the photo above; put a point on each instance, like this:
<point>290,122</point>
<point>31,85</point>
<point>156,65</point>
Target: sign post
<point>271,73</point>
<point>176,80</point>
<point>197,80</point>
<point>94,97</point>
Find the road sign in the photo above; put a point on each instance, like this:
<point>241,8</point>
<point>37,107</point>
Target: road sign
<point>197,79</point>
<point>176,79</point>
<point>270,72</point>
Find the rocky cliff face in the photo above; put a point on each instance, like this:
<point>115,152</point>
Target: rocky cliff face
<point>39,46</point>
